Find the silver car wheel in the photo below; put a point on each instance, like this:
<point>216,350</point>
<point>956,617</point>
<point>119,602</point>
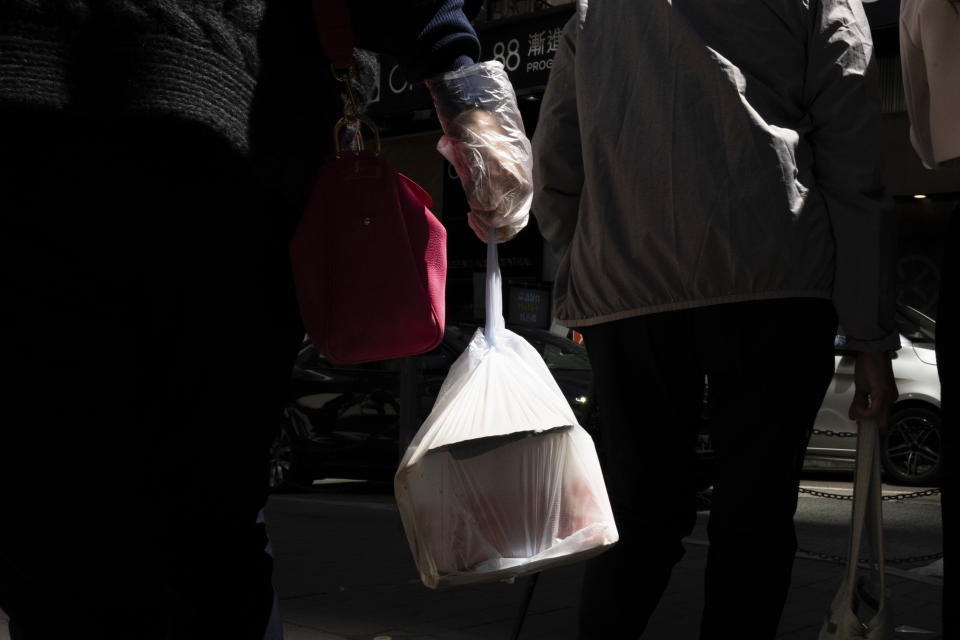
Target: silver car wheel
<point>912,446</point>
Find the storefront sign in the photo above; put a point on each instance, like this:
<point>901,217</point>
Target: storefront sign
<point>525,46</point>
<point>529,307</point>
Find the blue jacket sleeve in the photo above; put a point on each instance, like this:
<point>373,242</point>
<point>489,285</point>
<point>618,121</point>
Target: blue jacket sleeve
<point>427,37</point>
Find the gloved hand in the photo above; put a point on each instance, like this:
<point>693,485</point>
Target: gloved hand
<point>485,142</point>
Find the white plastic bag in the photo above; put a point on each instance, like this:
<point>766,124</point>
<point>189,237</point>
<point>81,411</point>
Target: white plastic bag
<point>861,598</point>
<point>501,480</point>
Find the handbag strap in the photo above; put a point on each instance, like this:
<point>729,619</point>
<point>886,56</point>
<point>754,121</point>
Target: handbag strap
<point>863,476</point>
<point>875,521</point>
<point>867,521</point>
<point>336,38</point>
<point>843,621</point>
<point>335,32</point>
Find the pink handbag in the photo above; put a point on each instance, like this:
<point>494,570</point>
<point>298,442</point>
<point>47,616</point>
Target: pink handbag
<point>369,258</point>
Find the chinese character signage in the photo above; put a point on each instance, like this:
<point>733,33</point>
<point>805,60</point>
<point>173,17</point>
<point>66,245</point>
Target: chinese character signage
<point>525,46</point>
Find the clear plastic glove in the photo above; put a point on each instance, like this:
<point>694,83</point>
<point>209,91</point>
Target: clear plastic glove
<point>485,142</point>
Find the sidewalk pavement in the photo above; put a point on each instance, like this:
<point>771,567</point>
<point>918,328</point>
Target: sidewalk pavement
<point>364,586</point>
<point>344,572</point>
<point>403,610</point>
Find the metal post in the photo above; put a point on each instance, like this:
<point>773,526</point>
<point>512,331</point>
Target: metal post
<point>527,597</point>
<point>411,380</point>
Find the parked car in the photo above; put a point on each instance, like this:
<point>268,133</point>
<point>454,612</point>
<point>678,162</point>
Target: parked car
<point>910,447</point>
<point>342,420</point>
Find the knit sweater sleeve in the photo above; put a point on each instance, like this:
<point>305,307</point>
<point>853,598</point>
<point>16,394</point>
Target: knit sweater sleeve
<point>427,37</point>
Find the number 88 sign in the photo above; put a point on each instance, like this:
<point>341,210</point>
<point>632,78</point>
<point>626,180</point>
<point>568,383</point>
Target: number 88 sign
<point>507,54</point>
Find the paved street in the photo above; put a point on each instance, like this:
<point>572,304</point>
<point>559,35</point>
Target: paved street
<point>344,572</point>
<point>364,585</point>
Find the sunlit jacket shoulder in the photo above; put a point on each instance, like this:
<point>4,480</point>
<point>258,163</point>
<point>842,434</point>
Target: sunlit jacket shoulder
<point>700,152</point>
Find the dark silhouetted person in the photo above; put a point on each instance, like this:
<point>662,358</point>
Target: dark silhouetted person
<point>706,172</point>
<point>155,156</point>
<point>930,57</point>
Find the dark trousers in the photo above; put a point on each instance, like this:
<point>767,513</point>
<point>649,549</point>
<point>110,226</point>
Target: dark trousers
<point>948,367</point>
<point>769,364</point>
<point>148,330</point>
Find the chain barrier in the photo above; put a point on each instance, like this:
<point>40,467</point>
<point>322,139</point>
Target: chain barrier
<point>834,434</point>
<point>838,559</point>
<point>824,494</point>
<point>926,558</point>
<point>829,557</point>
<point>896,497</point>
<point>704,497</point>
<point>900,497</point>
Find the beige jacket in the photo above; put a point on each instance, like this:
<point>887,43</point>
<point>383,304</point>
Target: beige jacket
<point>699,152</point>
<point>930,56</point>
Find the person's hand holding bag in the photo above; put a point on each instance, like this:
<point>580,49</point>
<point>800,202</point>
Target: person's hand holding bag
<point>485,141</point>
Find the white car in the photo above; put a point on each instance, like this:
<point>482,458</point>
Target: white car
<point>910,448</point>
